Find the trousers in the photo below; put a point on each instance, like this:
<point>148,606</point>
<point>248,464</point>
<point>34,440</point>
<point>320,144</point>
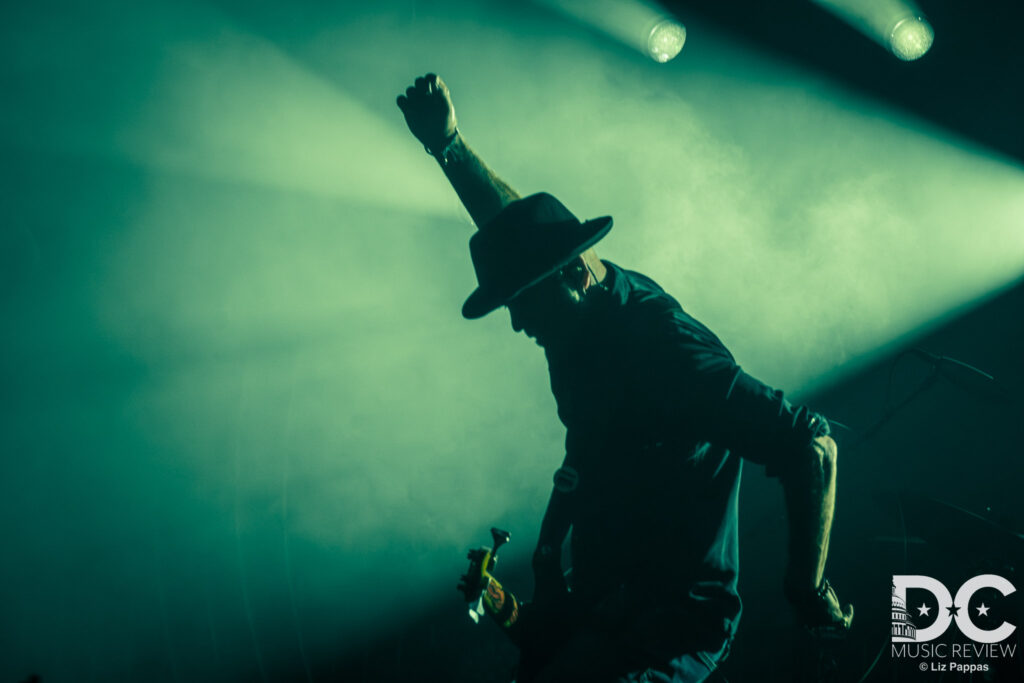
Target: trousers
<point>594,655</point>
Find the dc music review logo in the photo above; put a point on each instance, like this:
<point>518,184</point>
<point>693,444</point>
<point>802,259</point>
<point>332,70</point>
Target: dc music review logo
<point>950,608</point>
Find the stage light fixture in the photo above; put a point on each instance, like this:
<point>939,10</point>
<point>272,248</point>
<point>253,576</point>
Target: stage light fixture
<point>641,24</point>
<point>666,40</point>
<point>910,38</point>
<point>897,25</point>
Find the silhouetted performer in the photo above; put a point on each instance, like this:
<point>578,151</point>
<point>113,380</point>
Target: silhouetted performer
<point>659,418</point>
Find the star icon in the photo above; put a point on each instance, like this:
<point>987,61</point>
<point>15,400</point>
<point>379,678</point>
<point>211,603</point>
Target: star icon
<point>983,610</point>
<point>953,609</point>
<point>923,611</point>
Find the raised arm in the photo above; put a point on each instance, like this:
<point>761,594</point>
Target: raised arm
<point>430,114</point>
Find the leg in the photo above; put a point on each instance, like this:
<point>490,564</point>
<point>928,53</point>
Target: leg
<point>589,656</point>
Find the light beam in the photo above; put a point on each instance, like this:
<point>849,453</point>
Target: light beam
<point>897,25</point>
<point>638,24</point>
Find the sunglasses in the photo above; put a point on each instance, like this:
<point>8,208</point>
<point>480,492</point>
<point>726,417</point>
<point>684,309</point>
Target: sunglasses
<point>554,287</point>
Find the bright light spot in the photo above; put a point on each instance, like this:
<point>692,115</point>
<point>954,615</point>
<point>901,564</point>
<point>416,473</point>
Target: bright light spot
<point>911,38</point>
<point>666,40</point>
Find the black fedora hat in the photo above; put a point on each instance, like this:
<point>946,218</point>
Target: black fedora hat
<point>527,241</point>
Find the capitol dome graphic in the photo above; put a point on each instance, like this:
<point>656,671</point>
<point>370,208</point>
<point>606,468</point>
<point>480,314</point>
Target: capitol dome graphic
<point>903,629</point>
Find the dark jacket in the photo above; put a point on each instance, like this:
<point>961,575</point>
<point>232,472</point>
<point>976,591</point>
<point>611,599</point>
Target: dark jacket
<point>658,416</point>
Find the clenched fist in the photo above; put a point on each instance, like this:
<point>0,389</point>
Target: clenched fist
<point>429,112</point>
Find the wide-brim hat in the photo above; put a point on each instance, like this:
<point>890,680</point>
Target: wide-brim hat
<point>527,241</point>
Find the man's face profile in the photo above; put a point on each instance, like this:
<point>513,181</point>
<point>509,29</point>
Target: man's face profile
<point>548,311</point>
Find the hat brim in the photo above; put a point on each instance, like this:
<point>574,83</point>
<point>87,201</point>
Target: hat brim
<point>482,302</point>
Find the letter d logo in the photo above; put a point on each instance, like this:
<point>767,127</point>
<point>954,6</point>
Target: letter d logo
<point>900,584</point>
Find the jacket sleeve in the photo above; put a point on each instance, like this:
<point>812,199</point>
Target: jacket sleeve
<point>702,385</point>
